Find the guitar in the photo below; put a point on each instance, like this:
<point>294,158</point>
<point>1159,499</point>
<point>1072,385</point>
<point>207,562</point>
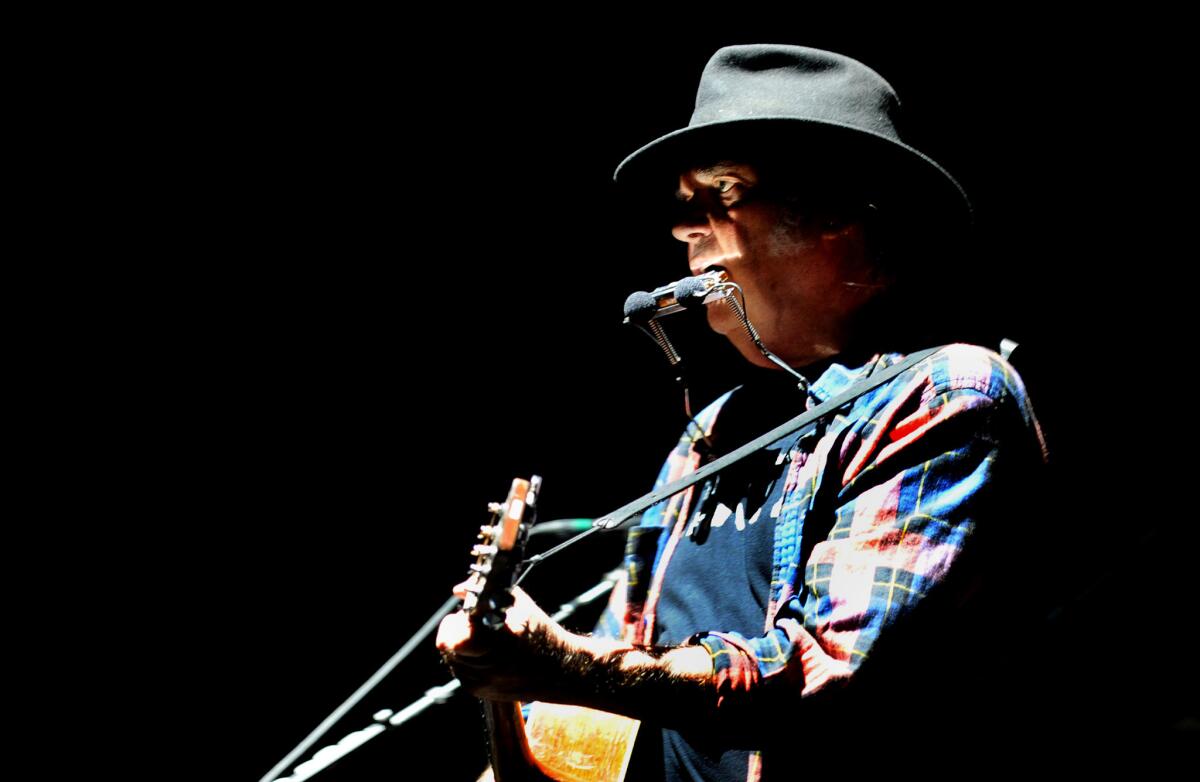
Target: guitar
<point>559,742</point>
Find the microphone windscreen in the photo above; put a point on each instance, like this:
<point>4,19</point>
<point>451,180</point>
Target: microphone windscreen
<point>690,291</point>
<point>640,306</point>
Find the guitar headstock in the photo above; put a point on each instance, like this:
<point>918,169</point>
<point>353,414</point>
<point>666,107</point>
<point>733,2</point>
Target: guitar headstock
<point>500,550</point>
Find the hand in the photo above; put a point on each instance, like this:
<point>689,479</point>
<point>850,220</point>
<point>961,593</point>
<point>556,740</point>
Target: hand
<point>820,669</point>
<point>521,660</point>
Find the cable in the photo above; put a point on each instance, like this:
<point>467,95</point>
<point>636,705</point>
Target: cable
<point>362,691</point>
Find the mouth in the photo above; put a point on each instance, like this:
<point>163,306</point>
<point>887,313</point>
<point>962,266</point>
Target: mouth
<point>705,268</point>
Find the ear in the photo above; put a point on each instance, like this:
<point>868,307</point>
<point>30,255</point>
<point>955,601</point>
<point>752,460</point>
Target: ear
<point>850,240</point>
<point>881,244</point>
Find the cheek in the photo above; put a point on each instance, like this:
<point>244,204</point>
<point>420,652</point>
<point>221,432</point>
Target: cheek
<point>788,241</point>
<point>783,261</point>
<point>730,241</point>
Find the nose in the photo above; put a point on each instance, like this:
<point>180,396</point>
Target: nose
<point>691,222</point>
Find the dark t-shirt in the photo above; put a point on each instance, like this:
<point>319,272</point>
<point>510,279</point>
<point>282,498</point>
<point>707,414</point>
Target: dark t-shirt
<point>719,575</point>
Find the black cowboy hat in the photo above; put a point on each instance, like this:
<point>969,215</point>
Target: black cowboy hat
<point>802,104</point>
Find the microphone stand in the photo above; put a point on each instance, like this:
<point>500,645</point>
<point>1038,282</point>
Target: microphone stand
<point>386,719</point>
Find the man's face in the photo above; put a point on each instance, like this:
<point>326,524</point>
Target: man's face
<point>803,269</point>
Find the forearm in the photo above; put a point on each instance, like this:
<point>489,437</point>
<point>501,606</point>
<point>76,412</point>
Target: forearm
<point>671,686</point>
<point>683,688</point>
<point>533,658</point>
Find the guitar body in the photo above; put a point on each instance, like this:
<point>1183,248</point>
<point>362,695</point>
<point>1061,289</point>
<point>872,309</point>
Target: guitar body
<point>577,744</point>
<point>559,743</point>
<point>512,759</point>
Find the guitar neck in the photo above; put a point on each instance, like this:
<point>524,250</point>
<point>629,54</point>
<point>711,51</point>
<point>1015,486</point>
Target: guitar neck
<point>572,744</point>
<point>498,554</point>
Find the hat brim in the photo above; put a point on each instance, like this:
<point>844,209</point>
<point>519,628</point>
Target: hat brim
<point>905,177</point>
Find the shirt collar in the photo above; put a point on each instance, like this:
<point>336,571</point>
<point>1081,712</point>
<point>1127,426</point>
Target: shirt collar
<point>838,377</point>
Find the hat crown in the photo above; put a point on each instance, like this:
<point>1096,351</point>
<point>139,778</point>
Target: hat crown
<point>782,102</point>
<point>763,81</point>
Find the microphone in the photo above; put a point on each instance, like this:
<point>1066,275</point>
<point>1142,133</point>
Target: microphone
<point>640,307</point>
<point>692,291</point>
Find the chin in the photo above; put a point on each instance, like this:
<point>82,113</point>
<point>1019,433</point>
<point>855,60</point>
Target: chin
<point>725,323</point>
<point>722,320</point>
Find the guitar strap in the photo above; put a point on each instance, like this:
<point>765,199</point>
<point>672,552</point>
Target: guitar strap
<point>631,510</point>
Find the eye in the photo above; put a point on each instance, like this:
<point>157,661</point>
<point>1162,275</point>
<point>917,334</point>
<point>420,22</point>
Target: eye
<point>731,190</point>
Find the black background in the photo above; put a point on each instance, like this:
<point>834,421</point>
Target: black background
<point>392,276</point>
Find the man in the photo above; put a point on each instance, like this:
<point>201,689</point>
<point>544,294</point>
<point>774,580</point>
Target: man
<point>834,591</point>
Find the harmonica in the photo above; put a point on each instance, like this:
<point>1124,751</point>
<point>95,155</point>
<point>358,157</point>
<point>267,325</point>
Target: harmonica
<point>644,306</point>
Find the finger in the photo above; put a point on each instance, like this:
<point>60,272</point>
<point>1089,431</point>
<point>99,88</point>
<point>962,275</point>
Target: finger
<point>804,640</point>
<point>524,614</point>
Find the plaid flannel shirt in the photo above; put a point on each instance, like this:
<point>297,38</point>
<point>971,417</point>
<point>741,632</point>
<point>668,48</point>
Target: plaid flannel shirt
<point>876,510</point>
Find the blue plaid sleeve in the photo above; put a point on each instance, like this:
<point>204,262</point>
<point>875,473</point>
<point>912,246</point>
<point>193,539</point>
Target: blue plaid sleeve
<point>907,481</point>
